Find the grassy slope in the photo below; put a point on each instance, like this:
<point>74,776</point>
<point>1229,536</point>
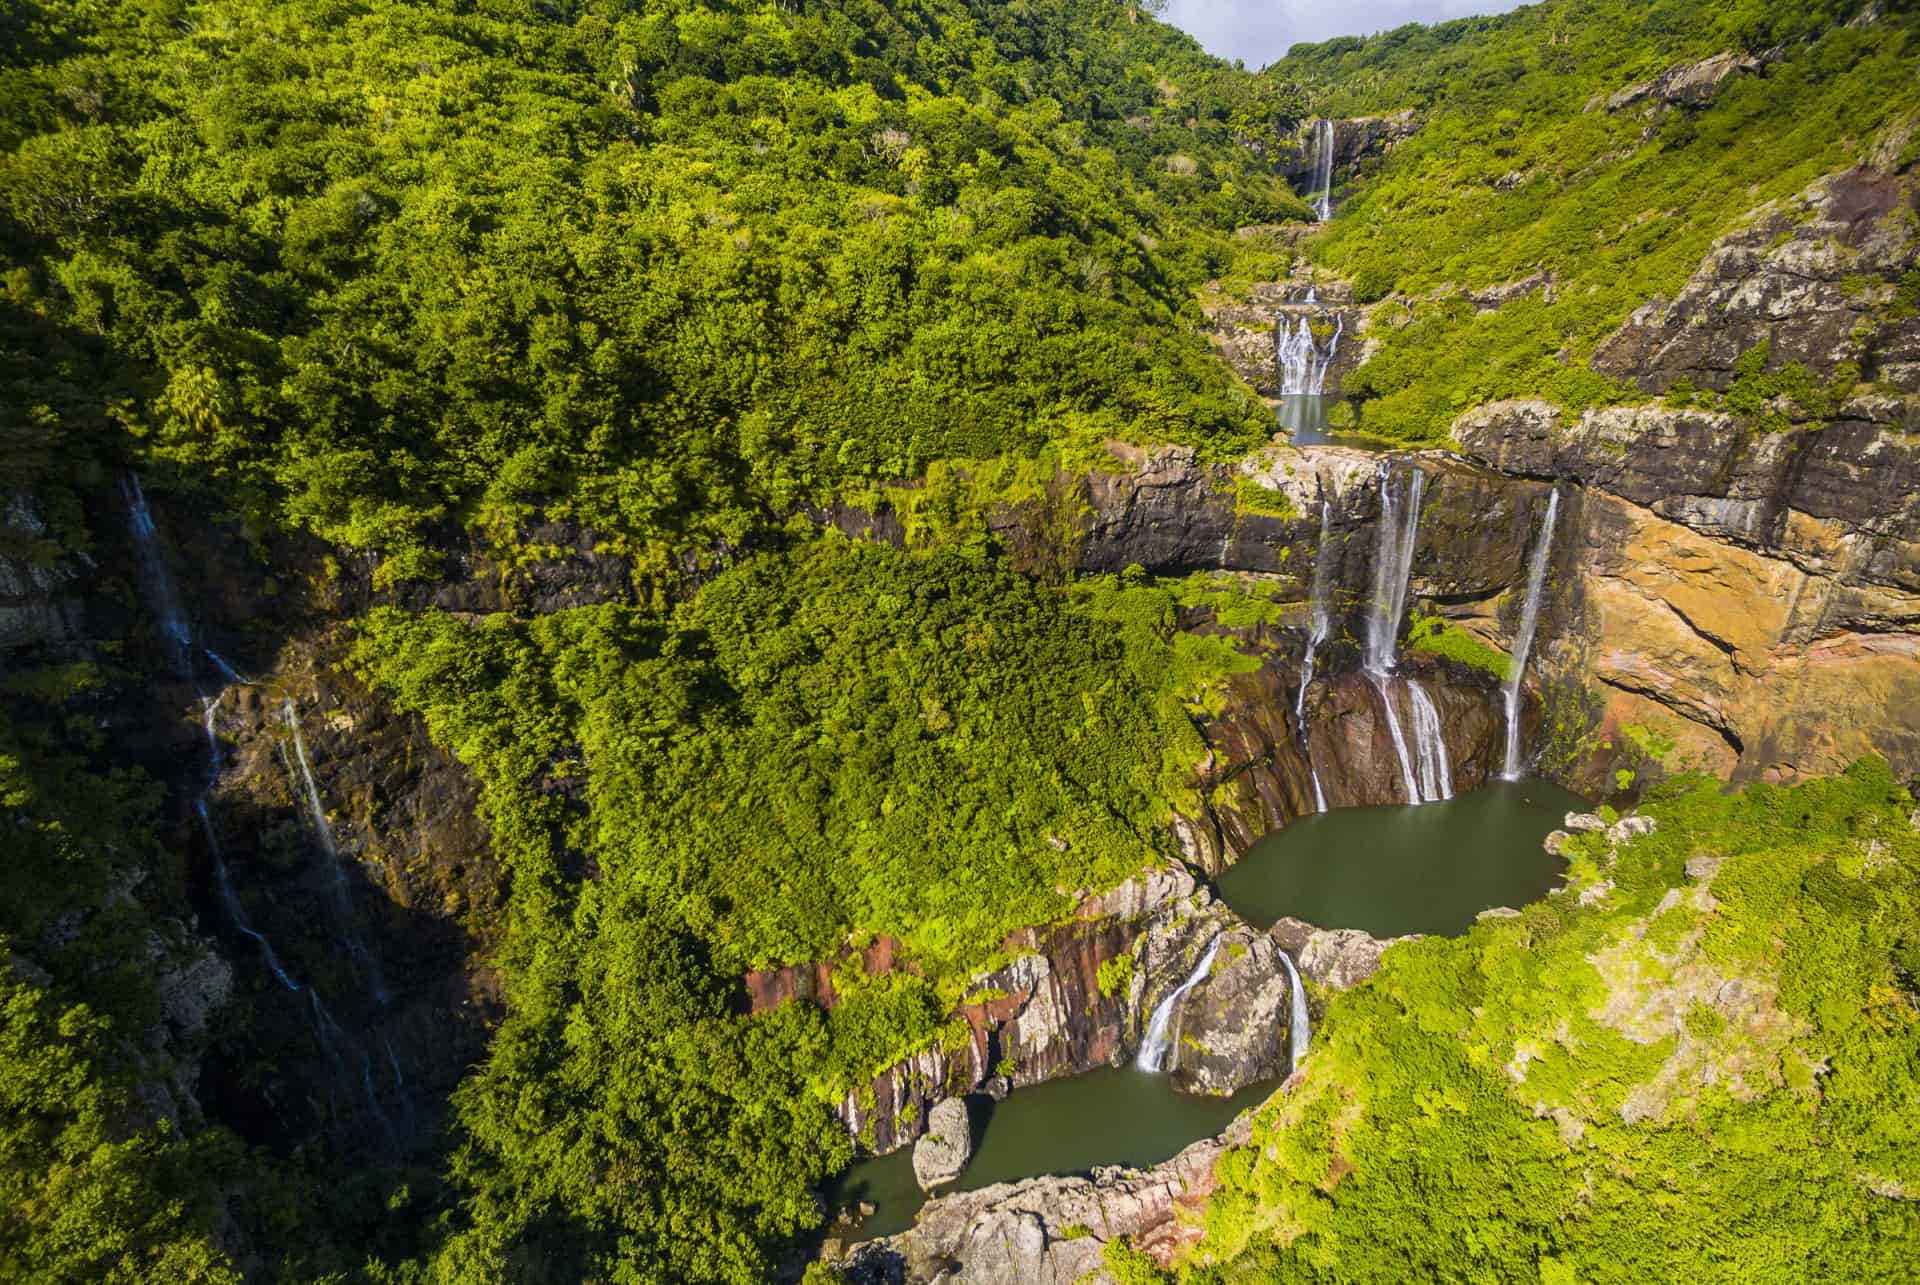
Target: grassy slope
<point>1614,207</point>
<point>1715,1087</point>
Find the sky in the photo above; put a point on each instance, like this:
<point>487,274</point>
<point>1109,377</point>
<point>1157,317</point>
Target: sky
<point>1259,31</point>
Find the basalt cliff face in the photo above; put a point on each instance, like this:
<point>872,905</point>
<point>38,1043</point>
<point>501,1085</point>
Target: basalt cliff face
<point>1079,995</point>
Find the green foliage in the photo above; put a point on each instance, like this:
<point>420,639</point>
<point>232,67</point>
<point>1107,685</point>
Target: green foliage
<point>1434,635</point>
<point>826,746</point>
<point>1510,175</point>
<point>1490,1099</point>
<point>675,271</point>
<point>1115,975</point>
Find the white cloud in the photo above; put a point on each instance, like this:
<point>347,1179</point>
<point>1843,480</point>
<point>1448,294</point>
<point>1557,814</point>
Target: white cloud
<point>1259,31</point>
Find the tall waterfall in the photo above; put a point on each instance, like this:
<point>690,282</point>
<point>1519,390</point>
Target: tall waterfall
<point>163,599</point>
<point>1159,1038</point>
<point>156,581</point>
<point>222,878</point>
<point>1392,570</point>
<point>337,882</point>
<point>1299,1021</point>
<point>1320,611</point>
<point>1323,170</point>
<point>1320,626</point>
<point>1523,637</point>
<point>1303,364</point>
<point>1430,745</point>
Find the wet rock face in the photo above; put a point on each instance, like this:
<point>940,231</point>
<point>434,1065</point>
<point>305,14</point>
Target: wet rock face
<point>1758,595</point>
<point>1081,995</point>
<point>423,900</point>
<point>1358,143</point>
<point>1813,277</point>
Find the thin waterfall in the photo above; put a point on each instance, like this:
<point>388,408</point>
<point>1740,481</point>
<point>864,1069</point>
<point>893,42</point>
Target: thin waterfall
<point>337,883</point>
<point>1299,1021</point>
<point>163,599</point>
<point>1320,626</point>
<point>156,581</point>
<point>222,878</point>
<point>1320,612</point>
<point>1159,1039</point>
<point>1430,742</point>
<point>1523,638</point>
<point>1323,170</point>
<point>1392,572</point>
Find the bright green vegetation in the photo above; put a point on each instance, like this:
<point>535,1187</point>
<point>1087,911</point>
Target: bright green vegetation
<point>1434,635</point>
<point>1511,176</point>
<point>673,269</point>
<point>1703,1079</point>
<point>824,746</point>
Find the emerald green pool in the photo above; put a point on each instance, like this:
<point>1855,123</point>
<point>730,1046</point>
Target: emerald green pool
<point>1114,1116</point>
<point>1394,870</point>
<point>1389,870</point>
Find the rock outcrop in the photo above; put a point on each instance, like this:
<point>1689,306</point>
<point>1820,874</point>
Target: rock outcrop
<point>1080,995</point>
<point>1816,278</point>
<point>1336,959</point>
<point>1050,1231</point>
<point>1689,84</point>
<point>942,1152</point>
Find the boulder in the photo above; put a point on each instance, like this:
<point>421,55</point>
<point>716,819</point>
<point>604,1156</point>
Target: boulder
<point>1336,958</point>
<point>944,1149</point>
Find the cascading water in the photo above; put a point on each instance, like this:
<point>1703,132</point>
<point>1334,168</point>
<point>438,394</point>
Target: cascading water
<point>1392,572</point>
<point>1303,364</point>
<point>1159,1038</point>
<point>1320,625</point>
<point>1436,770</point>
<point>1323,170</point>
<point>1523,637</point>
<point>337,882</point>
<point>222,878</point>
<point>163,599</point>
<point>1299,1021</point>
<point>156,581</point>
<point>1320,610</point>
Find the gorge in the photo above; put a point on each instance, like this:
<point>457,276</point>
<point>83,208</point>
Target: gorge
<point>839,643</point>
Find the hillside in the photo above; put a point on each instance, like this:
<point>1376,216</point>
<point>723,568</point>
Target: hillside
<point>603,604</point>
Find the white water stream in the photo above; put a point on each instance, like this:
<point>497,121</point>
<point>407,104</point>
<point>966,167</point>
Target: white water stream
<point>1160,1029</point>
<point>1523,637</point>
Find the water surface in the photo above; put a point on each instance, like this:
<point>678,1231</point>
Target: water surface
<point>1103,1117</point>
<point>1394,870</point>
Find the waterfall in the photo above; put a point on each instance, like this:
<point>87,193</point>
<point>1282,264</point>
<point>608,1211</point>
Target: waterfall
<point>222,878</point>
<point>1320,618</point>
<point>1159,1039</point>
<point>1320,613</point>
<point>1523,637</point>
<point>1299,1022</point>
<point>1323,171</point>
<point>1436,771</point>
<point>1303,365</point>
<point>337,883</point>
<point>156,581</point>
<point>1392,571</point>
